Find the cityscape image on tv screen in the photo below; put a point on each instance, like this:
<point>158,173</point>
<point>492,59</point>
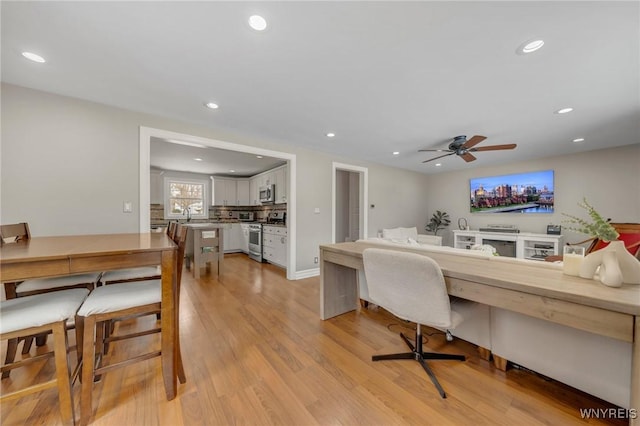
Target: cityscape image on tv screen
<point>517,193</point>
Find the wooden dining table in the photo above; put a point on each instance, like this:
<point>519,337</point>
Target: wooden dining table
<point>63,255</point>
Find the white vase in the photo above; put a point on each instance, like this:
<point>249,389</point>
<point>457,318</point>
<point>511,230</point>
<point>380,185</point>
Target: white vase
<point>617,265</point>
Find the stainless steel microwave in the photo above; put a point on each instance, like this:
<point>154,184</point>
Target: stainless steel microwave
<point>267,194</point>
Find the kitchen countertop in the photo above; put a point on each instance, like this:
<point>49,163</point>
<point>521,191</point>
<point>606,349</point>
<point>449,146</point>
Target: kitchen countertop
<point>214,222</point>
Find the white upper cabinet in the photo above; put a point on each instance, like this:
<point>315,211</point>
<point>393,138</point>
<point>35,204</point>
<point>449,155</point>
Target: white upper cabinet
<point>225,192</point>
<point>243,194</point>
<point>254,195</point>
<point>280,180</point>
<point>246,192</point>
<point>156,185</point>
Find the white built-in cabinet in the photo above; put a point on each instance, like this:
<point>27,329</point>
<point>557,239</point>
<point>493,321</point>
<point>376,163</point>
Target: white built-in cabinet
<point>232,238</point>
<point>274,245</point>
<point>254,195</point>
<point>243,196</point>
<point>528,245</point>
<point>280,179</point>
<point>225,192</point>
<point>246,192</point>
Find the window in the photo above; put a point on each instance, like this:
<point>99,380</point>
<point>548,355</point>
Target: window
<point>185,199</point>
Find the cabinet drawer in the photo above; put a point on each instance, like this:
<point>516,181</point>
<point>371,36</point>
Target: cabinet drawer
<point>281,231</point>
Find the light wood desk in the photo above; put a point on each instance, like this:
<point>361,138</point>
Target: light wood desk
<point>530,289</point>
<point>50,256</point>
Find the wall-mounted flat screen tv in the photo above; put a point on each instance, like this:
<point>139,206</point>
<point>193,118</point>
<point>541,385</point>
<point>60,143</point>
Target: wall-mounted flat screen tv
<point>531,192</point>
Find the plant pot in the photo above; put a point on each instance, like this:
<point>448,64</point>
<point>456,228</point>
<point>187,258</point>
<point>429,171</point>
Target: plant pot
<point>617,265</point>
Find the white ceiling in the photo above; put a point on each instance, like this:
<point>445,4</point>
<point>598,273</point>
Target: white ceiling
<point>167,155</point>
<point>383,76</point>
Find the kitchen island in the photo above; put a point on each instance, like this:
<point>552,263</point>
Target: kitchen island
<point>205,246</point>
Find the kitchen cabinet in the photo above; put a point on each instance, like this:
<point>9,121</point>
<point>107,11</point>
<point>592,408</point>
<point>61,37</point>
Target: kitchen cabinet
<point>254,195</point>
<point>225,192</point>
<point>156,186</point>
<point>274,245</point>
<point>244,237</point>
<point>232,238</point>
<point>280,179</point>
<point>243,196</point>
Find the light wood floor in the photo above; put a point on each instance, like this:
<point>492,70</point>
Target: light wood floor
<point>256,353</point>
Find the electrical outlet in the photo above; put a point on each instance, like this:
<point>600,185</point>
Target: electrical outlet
<point>315,260</point>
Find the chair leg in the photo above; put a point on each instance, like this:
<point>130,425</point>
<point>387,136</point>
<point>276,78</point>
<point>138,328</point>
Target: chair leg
<point>79,329</point>
<point>181,376</point>
<point>422,357</point>
<point>101,329</point>
<point>63,372</point>
<point>432,376</point>
<point>41,339</point>
<point>88,362</point>
<point>12,348</point>
<point>26,346</point>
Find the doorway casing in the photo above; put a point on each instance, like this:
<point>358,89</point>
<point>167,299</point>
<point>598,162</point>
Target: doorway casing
<point>363,197</point>
<point>146,133</point>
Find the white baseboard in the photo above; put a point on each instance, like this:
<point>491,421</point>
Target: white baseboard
<point>307,273</point>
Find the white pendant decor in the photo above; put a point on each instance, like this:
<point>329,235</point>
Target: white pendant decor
<point>617,265</point>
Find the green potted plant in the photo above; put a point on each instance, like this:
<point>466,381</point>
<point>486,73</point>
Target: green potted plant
<point>614,264</point>
<point>439,220</point>
<point>599,228</point>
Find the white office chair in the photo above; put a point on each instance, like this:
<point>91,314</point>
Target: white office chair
<point>411,286</point>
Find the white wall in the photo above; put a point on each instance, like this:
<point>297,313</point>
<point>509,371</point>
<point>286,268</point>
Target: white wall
<point>609,179</point>
<point>67,166</point>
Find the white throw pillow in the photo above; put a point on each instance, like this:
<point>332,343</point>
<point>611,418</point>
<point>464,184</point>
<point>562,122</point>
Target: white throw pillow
<point>400,233</point>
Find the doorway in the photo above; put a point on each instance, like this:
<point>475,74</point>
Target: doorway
<point>146,133</point>
<point>349,199</point>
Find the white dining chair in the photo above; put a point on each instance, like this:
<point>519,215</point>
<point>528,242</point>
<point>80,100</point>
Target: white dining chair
<point>18,233</point>
<point>43,313</point>
<point>110,303</point>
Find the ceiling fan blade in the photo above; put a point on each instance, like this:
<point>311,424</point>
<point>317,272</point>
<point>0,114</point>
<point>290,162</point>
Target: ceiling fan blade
<point>434,150</point>
<point>468,157</point>
<point>473,141</point>
<point>494,147</point>
<point>446,155</point>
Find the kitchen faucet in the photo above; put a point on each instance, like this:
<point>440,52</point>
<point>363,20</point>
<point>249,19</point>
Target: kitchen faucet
<point>188,214</point>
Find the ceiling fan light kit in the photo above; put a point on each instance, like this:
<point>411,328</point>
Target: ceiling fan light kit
<point>463,148</point>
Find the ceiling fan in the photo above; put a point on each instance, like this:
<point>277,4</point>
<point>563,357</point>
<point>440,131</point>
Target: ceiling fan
<point>463,148</point>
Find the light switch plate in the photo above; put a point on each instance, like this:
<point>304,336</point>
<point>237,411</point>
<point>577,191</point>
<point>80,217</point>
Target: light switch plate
<point>127,207</point>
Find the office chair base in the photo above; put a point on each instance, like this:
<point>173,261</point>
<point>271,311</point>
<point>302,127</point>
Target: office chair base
<point>418,355</point>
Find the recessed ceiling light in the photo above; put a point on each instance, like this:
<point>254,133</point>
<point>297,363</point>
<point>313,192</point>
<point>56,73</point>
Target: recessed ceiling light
<point>232,171</point>
<point>211,105</point>
<point>258,156</point>
<point>438,164</point>
<point>257,22</point>
<point>530,46</point>
<point>578,140</point>
<point>198,159</point>
<point>33,57</point>
<point>564,110</point>
<point>331,135</point>
<point>396,152</point>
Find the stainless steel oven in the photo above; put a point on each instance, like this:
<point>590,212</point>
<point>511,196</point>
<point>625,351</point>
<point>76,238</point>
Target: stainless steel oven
<point>255,241</point>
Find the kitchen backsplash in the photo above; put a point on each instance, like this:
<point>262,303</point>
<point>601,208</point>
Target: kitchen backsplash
<point>222,213</point>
